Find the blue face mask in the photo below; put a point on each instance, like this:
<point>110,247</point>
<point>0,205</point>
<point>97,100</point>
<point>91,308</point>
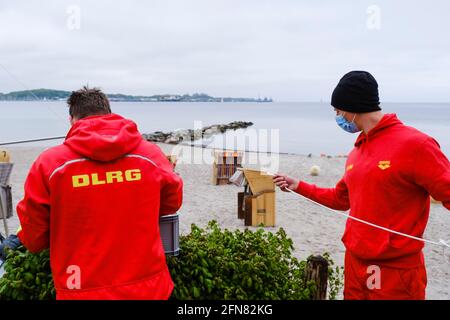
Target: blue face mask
<point>347,125</point>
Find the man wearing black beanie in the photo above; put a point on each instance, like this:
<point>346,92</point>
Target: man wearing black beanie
<point>389,177</point>
<point>357,92</point>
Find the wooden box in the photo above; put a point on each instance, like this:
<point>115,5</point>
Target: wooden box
<point>257,204</point>
<point>260,210</point>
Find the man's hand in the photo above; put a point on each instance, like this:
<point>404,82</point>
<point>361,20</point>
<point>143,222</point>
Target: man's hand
<point>285,182</point>
<point>12,242</point>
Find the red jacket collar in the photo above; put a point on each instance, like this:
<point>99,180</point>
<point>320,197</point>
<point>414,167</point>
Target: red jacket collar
<point>387,121</point>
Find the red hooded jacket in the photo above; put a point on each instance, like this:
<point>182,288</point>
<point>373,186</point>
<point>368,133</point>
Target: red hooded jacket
<point>388,180</point>
<point>95,201</point>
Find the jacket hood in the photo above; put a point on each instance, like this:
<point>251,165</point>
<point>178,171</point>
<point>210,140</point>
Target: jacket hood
<point>103,138</point>
<point>387,121</point>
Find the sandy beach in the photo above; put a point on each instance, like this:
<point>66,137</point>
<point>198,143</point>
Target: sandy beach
<point>314,230</point>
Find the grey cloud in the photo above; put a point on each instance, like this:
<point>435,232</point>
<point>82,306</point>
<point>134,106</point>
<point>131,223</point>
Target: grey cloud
<point>291,50</point>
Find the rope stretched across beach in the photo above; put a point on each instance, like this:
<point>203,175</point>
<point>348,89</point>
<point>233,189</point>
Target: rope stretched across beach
<point>441,242</point>
<point>30,141</point>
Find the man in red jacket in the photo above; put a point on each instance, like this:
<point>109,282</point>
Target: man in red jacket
<point>389,177</point>
<point>95,201</point>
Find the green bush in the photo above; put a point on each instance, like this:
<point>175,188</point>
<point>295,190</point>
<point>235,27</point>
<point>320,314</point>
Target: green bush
<point>27,276</point>
<point>217,264</point>
<point>213,264</point>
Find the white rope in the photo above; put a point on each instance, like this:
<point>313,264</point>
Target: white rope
<point>440,243</point>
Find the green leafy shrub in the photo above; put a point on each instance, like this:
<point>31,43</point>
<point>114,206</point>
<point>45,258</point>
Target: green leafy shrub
<point>335,278</point>
<point>213,264</point>
<point>241,265</point>
<point>27,276</point>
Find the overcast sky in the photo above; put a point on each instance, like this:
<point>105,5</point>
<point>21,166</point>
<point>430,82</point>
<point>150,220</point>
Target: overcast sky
<point>290,50</point>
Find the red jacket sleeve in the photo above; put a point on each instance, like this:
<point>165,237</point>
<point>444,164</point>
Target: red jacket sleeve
<point>34,211</point>
<point>334,198</point>
<point>171,193</point>
<point>172,185</point>
<point>171,196</point>
<point>432,171</point>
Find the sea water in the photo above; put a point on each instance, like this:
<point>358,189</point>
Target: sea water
<point>288,127</point>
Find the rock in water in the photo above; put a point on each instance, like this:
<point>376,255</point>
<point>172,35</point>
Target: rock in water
<point>314,171</point>
<point>187,135</point>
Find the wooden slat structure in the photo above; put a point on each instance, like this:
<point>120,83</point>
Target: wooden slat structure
<point>225,165</point>
<point>6,209</point>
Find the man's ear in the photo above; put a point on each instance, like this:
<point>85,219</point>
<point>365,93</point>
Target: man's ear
<point>72,120</point>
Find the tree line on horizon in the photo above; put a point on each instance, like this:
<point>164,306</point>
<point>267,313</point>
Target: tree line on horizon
<point>58,95</point>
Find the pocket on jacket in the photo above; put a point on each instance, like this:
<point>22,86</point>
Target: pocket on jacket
<point>403,246</point>
<point>364,241</point>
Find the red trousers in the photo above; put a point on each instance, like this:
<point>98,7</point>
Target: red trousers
<point>364,281</point>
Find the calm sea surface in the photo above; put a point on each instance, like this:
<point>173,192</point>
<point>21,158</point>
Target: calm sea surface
<point>299,128</point>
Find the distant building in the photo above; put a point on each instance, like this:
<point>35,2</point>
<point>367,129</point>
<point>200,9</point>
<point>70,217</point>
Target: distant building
<point>169,98</point>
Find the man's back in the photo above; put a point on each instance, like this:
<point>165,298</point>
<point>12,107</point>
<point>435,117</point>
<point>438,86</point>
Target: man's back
<point>105,189</point>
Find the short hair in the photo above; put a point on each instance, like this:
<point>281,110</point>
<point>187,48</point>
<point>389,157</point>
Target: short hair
<point>88,102</point>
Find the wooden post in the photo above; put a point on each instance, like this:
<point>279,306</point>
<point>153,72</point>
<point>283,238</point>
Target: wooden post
<point>214,175</point>
<point>241,209</point>
<point>248,210</point>
<point>317,271</point>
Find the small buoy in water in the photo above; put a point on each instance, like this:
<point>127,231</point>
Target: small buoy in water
<point>4,156</point>
<point>314,171</point>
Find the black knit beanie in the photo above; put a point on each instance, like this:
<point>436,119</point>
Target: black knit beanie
<point>357,92</point>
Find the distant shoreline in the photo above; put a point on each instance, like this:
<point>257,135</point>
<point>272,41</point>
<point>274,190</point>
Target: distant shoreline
<point>412,104</point>
<point>59,95</point>
<point>137,101</point>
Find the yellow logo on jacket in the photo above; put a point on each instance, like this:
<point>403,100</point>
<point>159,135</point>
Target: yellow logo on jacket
<point>94,179</point>
<point>383,165</point>
<point>350,167</point>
